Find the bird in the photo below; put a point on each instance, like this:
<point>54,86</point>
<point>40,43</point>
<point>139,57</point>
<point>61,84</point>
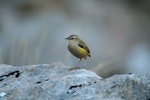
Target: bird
<point>78,48</point>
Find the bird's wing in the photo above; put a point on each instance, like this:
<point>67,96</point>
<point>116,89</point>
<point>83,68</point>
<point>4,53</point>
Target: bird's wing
<point>84,46</point>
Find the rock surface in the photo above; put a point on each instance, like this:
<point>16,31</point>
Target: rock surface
<point>56,82</point>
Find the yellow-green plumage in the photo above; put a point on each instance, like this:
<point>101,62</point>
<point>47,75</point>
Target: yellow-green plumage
<point>77,47</point>
<point>82,51</point>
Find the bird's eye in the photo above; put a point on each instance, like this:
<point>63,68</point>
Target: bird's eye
<point>71,38</point>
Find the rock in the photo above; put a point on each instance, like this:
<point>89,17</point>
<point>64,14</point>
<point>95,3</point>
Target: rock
<point>56,82</point>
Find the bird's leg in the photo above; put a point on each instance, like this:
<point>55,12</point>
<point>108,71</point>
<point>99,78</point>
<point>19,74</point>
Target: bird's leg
<point>77,66</point>
<point>84,63</point>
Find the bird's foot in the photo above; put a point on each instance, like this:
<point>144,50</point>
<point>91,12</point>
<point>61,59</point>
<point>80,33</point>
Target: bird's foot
<point>76,67</point>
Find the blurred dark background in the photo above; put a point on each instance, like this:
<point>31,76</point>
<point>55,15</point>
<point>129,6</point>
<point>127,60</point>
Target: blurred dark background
<point>116,31</point>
